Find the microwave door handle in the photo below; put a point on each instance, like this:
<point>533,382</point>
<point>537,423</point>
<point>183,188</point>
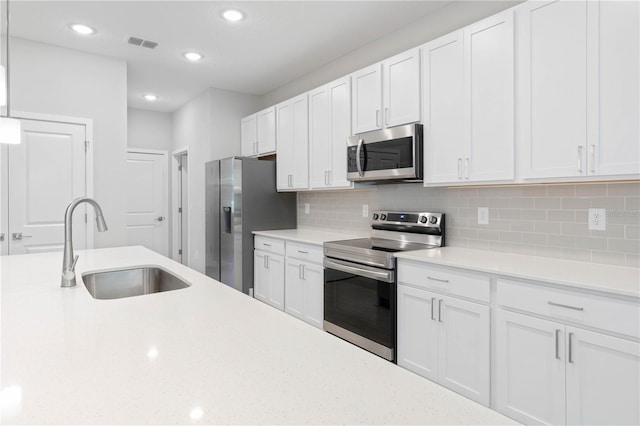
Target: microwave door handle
<point>358,164</point>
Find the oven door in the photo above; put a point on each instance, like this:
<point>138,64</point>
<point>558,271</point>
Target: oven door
<point>360,305</point>
<point>389,154</point>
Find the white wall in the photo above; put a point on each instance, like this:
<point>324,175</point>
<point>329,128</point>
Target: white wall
<point>209,125</point>
<point>451,17</point>
<point>149,129</point>
<point>51,80</point>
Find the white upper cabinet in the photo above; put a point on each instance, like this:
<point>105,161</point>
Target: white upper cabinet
<point>329,127</point>
<point>249,136</point>
<point>468,91</point>
<point>266,131</point>
<point>388,93</point>
<point>292,130</point>
<point>578,88</point>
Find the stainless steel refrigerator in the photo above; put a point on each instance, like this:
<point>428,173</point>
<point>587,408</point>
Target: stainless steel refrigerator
<point>240,198</point>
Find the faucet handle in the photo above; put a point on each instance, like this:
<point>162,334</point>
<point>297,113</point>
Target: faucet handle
<point>75,260</point>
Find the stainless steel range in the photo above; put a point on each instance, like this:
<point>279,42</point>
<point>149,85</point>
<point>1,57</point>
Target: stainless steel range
<point>360,278</point>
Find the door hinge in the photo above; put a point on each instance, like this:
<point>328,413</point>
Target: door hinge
<point>86,146</point>
<point>180,251</point>
<point>179,209</point>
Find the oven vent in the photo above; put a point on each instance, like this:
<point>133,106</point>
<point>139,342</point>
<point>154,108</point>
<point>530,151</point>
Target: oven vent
<point>140,42</point>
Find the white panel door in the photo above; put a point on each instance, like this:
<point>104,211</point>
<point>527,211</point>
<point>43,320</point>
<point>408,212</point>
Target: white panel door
<point>418,331</point>
<point>401,88</point>
<point>464,358</point>
<point>294,291</point>
<point>603,379</point>
<point>552,95</point>
<point>615,103</point>
<point>319,131</point>
<point>339,93</point>
<point>275,266</point>
<point>530,364</point>
<point>266,139</point>
<point>489,68</point>
<point>300,132</point>
<point>46,172</point>
<point>443,116</point>
<point>286,150</point>
<point>249,136</point>
<point>147,193</point>
<point>4,201</point>
<point>313,277</point>
<point>367,99</point>
<point>260,276</point>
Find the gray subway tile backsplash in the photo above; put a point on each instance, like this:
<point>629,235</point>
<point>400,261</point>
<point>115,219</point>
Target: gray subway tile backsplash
<point>540,220</point>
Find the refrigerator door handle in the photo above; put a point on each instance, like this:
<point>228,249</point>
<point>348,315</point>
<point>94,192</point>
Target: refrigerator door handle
<point>227,219</point>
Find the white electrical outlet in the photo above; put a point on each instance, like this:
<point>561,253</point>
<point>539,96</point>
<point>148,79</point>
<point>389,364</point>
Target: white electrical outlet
<point>483,215</point>
<point>365,210</point>
<point>307,208</point>
<point>598,219</point>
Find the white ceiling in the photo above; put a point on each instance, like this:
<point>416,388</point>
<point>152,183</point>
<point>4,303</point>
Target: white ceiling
<point>279,41</point>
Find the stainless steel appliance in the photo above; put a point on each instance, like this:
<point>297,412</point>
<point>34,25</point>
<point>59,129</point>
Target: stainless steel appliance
<point>393,154</point>
<point>360,278</point>
<point>241,197</point>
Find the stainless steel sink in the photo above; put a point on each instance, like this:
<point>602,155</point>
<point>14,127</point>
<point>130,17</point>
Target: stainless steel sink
<point>116,284</point>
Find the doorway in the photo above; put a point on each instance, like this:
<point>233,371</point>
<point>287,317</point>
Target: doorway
<point>40,177</point>
<point>180,206</point>
<point>147,199</point>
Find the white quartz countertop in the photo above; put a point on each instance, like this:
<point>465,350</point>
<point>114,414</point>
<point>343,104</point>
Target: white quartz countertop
<point>206,354</point>
<point>308,236</point>
<point>611,279</point>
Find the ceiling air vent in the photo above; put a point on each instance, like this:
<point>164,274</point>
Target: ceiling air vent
<point>137,41</point>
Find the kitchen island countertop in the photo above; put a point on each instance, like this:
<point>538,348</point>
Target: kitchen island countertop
<point>201,355</point>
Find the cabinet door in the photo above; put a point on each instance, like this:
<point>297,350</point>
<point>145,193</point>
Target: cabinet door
<point>552,95</point>
<point>339,93</point>
<point>319,125</point>
<point>267,130</point>
<point>444,135</point>
<point>614,88</point>
<point>248,136</point>
<point>489,99</point>
<point>294,289</point>
<point>463,360</point>
<point>401,88</point>
<point>367,99</point>
<point>603,379</point>
<point>300,133</point>
<point>530,365</point>
<point>285,160</point>
<point>260,276</point>
<point>275,265</point>
<point>313,278</point>
<point>418,331</point>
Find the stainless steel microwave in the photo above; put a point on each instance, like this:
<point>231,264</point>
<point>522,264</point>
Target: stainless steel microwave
<point>393,154</point>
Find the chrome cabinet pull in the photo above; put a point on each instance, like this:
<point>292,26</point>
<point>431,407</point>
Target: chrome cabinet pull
<point>303,252</point>
<point>265,262</point>
<point>440,310</point>
<point>255,148</point>
<point>570,357</point>
<point>565,306</point>
<point>580,148</point>
<point>386,116</point>
<point>300,271</point>
<point>557,344</point>
<point>329,177</point>
<point>592,158</point>
<point>433,302</point>
<point>377,118</point>
<point>358,164</point>
<point>1,237</point>
<point>266,244</point>
<point>19,236</point>
<point>304,272</point>
<point>437,279</point>
<point>466,168</point>
<point>459,168</point>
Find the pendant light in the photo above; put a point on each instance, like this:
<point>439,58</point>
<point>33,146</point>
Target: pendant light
<point>9,127</point>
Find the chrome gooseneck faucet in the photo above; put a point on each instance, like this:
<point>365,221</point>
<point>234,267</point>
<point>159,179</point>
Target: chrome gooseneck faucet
<point>69,260</point>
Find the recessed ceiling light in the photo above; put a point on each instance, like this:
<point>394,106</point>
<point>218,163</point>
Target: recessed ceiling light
<point>150,97</point>
<point>193,56</point>
<point>82,29</point>
<point>232,15</point>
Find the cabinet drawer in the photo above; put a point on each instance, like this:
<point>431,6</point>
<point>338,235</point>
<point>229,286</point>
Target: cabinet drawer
<point>271,245</point>
<point>445,280</point>
<point>310,253</point>
<point>616,315</point>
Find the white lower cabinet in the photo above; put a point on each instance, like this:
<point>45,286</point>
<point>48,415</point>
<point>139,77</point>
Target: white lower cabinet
<point>445,339</point>
<point>304,291</point>
<point>268,278</point>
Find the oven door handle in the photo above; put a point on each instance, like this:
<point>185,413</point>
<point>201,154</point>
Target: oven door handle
<point>360,270</point>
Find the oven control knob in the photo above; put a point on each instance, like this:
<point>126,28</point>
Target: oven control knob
<point>423,219</point>
<point>433,219</point>
<point>383,216</point>
<point>375,216</point>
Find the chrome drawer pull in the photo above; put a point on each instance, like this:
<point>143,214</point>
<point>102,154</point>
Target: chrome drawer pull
<point>303,252</point>
<point>267,245</point>
<point>437,279</point>
<point>565,306</point>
